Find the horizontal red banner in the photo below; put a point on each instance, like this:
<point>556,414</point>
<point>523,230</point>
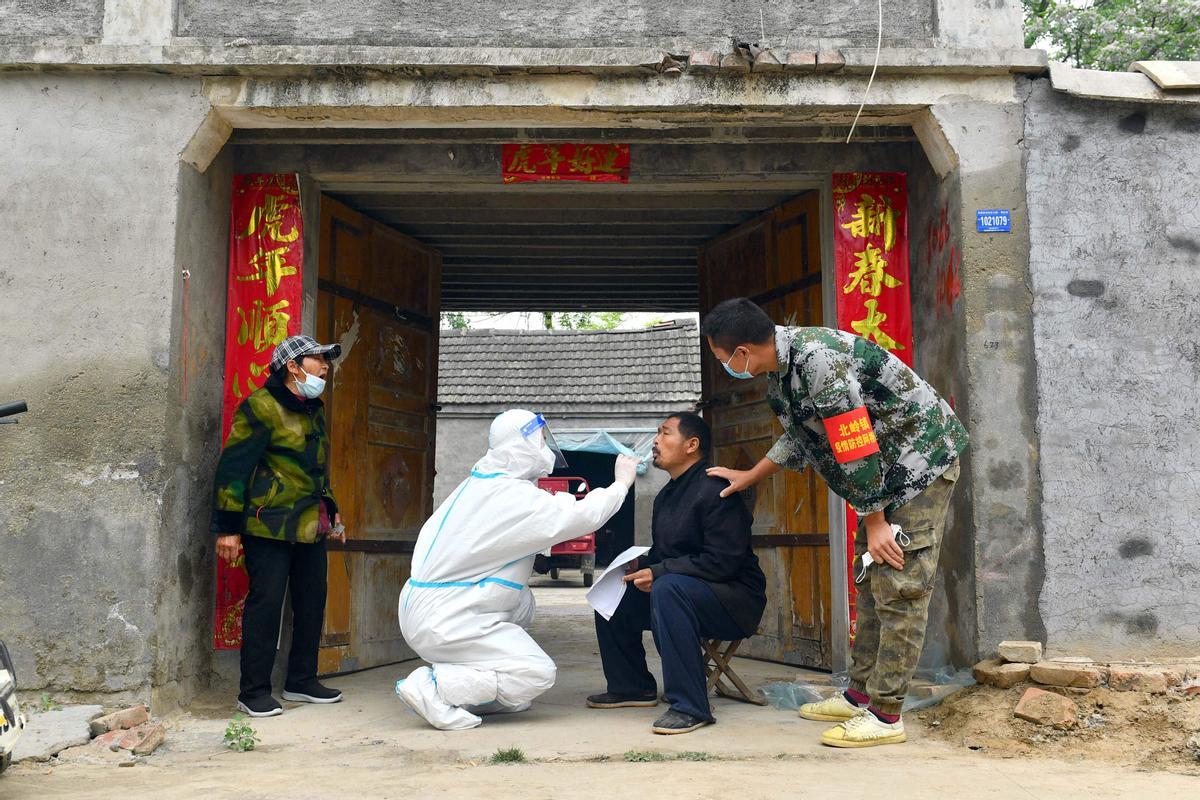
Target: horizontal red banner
<point>594,163</point>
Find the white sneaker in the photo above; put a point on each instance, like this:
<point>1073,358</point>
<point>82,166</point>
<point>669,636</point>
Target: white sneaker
<point>831,709</point>
<point>864,730</point>
<point>419,692</point>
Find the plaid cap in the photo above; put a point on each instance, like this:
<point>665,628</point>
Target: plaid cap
<point>295,347</point>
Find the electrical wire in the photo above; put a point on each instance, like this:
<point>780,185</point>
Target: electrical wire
<point>874,67</point>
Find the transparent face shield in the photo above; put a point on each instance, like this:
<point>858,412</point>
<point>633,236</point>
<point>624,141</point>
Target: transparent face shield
<point>538,423</point>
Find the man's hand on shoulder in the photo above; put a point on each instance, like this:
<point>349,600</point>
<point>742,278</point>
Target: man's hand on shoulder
<point>742,479</point>
<point>739,480</point>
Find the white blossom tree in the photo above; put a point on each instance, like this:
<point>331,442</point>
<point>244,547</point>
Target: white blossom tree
<point>1111,34</point>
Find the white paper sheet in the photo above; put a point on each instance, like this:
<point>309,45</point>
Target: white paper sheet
<point>606,593</point>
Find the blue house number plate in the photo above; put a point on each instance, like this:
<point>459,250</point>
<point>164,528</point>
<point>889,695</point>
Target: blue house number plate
<point>993,220</point>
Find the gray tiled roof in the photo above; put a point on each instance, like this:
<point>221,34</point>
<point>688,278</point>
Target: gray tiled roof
<point>558,370</point>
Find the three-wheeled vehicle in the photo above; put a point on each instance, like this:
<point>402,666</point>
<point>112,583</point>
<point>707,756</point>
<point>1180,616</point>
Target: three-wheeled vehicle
<point>578,553</point>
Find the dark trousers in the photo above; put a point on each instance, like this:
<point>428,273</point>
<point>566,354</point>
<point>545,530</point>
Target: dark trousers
<point>271,565</point>
<point>680,610</point>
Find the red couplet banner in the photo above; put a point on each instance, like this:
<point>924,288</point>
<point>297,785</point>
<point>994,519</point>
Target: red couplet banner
<point>594,163</point>
<point>266,254</point>
<point>872,273</point>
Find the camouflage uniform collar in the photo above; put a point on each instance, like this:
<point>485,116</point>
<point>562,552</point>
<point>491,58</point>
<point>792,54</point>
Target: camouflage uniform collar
<point>287,398</point>
<point>784,336</point>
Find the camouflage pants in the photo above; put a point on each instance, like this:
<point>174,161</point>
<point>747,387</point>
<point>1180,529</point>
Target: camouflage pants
<point>893,605</point>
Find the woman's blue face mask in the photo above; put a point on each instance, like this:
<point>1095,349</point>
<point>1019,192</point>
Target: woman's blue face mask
<point>746,375</point>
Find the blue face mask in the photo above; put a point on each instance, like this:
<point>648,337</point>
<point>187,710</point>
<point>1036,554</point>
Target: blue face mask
<point>745,376</point>
<point>312,386</point>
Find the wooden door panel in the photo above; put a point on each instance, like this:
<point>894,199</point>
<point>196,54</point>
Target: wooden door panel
<point>395,510</point>
<point>378,297</point>
<point>377,638</point>
<point>774,259</point>
<point>342,251</point>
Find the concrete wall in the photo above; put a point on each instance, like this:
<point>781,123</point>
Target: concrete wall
<point>998,501</point>
<point>939,344</point>
<point>91,499</point>
<point>186,562</point>
<point>1115,260</point>
<point>461,441</point>
<point>36,19</point>
<point>979,23</point>
<point>707,25</point>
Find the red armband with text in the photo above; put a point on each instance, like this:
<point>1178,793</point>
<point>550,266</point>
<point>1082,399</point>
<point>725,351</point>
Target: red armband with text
<point>851,436</point>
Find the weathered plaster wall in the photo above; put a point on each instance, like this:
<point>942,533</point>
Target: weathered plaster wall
<point>979,23</point>
<point>939,341</point>
<point>707,24</point>
<point>1115,258</point>
<point>88,278</point>
<point>999,494</point>
<point>186,562</point>
<point>22,20</point>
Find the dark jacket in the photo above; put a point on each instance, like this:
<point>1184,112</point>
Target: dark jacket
<point>274,470</point>
<point>699,533</point>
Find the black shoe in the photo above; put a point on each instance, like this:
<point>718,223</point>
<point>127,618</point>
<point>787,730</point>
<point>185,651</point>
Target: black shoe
<point>313,693</point>
<point>678,722</point>
<point>609,700</point>
<point>265,706</point>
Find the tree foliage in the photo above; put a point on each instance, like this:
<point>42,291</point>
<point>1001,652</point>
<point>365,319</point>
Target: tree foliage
<point>582,320</point>
<point>1111,34</point>
<point>456,320</point>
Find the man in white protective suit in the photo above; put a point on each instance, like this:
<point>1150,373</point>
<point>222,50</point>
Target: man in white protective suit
<point>467,603</point>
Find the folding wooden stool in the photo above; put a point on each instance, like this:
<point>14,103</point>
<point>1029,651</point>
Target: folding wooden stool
<point>717,667</point>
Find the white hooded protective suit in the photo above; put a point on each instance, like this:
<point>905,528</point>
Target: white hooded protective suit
<point>465,607</point>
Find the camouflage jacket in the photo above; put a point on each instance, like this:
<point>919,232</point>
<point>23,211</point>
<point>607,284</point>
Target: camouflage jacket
<point>829,373</point>
<point>273,472</point>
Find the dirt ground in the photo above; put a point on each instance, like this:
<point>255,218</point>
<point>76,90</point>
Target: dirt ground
<point>1129,729</point>
<point>369,746</point>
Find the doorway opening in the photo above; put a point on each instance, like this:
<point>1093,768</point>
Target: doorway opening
<point>414,223</point>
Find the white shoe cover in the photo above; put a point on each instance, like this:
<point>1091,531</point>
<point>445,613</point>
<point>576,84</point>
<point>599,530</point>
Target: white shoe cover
<point>496,707</point>
<point>420,694</point>
<point>464,686</point>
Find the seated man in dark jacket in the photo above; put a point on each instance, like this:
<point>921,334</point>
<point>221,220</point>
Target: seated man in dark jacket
<point>700,580</point>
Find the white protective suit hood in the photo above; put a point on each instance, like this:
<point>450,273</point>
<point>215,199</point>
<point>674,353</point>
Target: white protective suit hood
<point>511,453</point>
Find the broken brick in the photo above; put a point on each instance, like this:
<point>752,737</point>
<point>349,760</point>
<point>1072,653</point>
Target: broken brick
<point>1002,676</point>
<point>1124,679</point>
<point>801,61</point>
<point>1056,673</point>
<point>1046,708</point>
<point>736,62</point>
<point>766,61</point>
<point>1020,652</point>
<point>830,61</point>
<point>154,736</point>
<point>121,720</point>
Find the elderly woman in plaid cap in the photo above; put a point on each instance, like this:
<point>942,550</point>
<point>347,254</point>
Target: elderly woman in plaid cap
<point>273,501</point>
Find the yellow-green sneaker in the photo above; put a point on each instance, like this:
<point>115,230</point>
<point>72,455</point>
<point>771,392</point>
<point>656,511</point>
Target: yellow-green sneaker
<point>864,730</point>
<point>831,709</point>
